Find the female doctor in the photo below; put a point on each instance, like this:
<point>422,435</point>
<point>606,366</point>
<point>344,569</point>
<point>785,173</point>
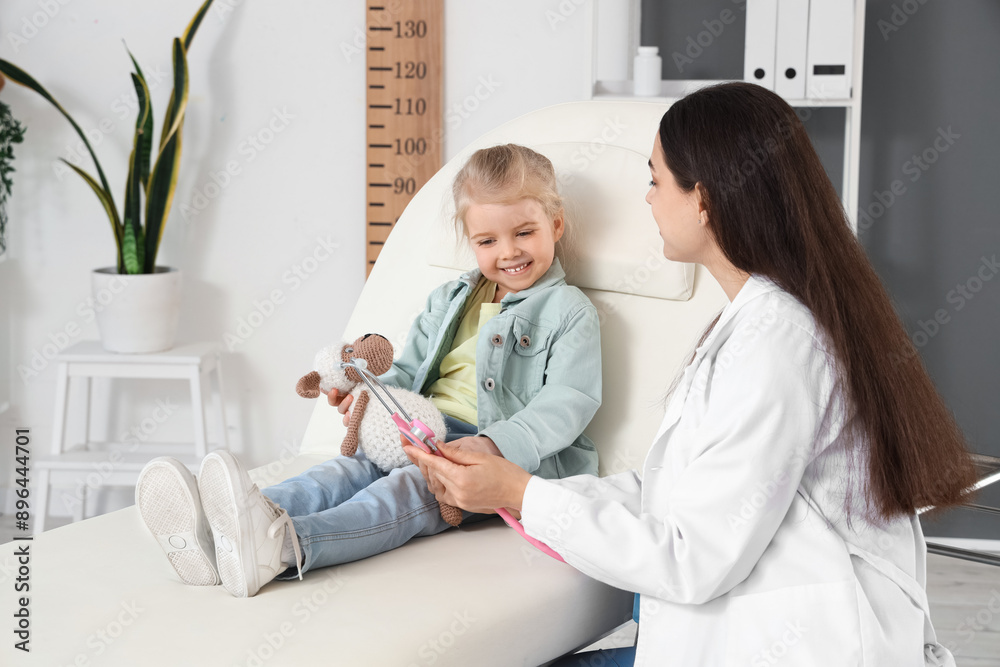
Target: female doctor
<point>775,518</point>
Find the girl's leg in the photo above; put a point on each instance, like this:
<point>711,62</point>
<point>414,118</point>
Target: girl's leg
<point>458,429</point>
<point>382,516</point>
<point>323,486</point>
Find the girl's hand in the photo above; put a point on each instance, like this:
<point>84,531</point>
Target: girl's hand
<point>476,443</point>
<point>340,401</point>
<point>474,481</point>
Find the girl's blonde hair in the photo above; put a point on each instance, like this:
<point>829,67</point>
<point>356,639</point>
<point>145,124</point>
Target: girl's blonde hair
<point>504,175</point>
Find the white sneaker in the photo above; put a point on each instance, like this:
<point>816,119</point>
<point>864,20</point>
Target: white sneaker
<point>167,498</point>
<point>249,528</point>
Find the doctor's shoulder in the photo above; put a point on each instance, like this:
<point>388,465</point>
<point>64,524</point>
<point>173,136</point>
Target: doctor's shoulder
<point>776,323</point>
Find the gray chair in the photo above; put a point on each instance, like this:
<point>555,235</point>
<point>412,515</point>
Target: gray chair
<point>988,468</point>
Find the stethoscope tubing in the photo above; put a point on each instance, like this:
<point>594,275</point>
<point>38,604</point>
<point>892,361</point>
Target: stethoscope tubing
<point>427,443</point>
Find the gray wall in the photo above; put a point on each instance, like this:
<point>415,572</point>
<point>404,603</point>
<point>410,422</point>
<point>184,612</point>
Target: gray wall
<point>939,71</point>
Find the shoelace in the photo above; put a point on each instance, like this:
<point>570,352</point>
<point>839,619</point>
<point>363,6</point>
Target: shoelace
<point>285,520</point>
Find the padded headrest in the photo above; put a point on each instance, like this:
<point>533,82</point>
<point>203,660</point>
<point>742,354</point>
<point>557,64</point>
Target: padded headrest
<point>612,243</point>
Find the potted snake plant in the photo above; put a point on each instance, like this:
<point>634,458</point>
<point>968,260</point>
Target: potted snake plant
<point>137,301</point>
<point>11,132</point>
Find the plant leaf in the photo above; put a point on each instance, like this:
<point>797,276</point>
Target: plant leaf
<point>109,207</point>
<point>133,245</point>
<point>144,121</point>
<point>163,179</point>
<point>19,76</point>
<point>132,250</point>
<point>192,28</point>
<point>189,33</point>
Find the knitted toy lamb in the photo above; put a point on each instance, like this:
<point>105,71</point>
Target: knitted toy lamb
<point>372,430</point>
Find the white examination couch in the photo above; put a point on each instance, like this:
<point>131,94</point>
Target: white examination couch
<point>103,594</point>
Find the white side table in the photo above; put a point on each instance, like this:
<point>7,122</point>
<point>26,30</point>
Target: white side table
<point>90,465</point>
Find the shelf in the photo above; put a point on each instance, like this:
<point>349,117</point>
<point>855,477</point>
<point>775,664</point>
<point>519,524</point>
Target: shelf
<point>670,91</point>
<point>673,90</point>
<point>618,33</point>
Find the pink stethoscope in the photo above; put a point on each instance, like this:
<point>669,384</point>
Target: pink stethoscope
<point>421,436</point>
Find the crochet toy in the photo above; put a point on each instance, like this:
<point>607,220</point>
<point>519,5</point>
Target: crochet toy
<point>372,430</point>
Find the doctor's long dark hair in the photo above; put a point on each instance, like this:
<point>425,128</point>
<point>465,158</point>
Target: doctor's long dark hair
<point>774,212</point>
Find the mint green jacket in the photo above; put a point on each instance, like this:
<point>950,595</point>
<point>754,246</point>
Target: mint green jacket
<point>538,369</point>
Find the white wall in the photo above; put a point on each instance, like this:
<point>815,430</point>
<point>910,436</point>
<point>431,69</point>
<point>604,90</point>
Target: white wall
<point>252,64</point>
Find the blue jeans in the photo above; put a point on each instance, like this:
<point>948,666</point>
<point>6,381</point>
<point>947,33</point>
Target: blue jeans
<point>346,508</point>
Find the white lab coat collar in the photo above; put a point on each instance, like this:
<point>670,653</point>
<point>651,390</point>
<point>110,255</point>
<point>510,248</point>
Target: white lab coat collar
<point>755,286</point>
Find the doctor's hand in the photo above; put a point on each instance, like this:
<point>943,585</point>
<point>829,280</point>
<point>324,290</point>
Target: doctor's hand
<point>340,401</point>
<point>474,481</point>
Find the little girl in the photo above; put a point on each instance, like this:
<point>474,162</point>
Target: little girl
<point>508,352</point>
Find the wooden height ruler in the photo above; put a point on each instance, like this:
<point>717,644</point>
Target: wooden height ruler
<point>405,51</point>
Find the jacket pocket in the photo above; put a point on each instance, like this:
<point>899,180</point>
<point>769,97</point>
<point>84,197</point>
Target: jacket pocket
<point>524,371</point>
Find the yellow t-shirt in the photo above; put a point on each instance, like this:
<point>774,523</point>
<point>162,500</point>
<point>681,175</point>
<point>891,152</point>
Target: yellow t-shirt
<point>454,393</point>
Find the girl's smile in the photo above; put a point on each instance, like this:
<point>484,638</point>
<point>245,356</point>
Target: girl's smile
<point>514,243</point>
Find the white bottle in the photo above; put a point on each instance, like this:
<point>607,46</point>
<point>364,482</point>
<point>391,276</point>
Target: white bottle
<point>647,71</point>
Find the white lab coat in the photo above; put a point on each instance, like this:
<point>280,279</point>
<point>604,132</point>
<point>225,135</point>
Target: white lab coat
<point>736,536</point>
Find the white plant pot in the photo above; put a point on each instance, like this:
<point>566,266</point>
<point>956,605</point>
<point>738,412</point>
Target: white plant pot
<point>137,313</point>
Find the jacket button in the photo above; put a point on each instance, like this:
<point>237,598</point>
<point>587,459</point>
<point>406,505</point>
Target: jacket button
<point>525,341</point>
<point>497,340</point>
<point>489,384</point>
